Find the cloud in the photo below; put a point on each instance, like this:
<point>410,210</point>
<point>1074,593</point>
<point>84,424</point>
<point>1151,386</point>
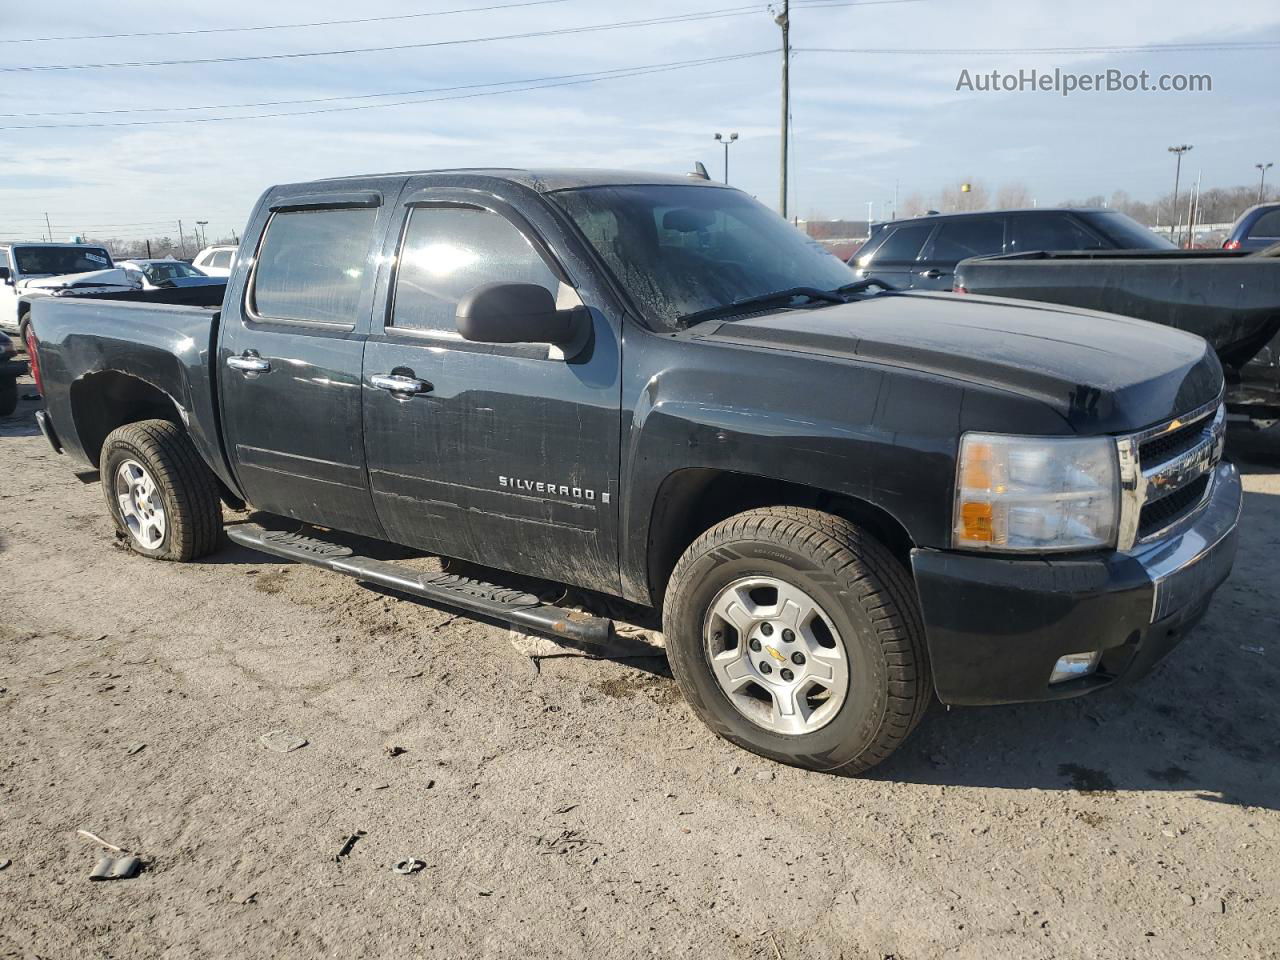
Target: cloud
<point>862,122</point>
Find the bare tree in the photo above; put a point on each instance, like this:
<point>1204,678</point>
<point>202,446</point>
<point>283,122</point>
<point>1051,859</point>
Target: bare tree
<point>1013,196</point>
<point>914,206</point>
<point>955,199</point>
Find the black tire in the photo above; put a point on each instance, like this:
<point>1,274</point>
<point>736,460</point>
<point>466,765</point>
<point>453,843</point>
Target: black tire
<point>187,488</point>
<point>863,590</point>
<point>8,396</point>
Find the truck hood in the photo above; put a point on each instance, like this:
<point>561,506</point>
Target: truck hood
<point>114,277</point>
<point>1102,373</point>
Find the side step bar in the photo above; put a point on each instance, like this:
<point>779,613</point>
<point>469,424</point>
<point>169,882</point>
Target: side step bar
<point>466,593</point>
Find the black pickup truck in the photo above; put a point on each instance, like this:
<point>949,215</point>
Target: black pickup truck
<point>842,500</point>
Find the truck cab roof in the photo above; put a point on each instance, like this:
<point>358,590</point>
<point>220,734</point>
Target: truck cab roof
<point>550,179</point>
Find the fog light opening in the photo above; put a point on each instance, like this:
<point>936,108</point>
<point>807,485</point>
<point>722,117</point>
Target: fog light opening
<point>1074,666</point>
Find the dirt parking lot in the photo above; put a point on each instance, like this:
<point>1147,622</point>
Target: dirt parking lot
<point>568,807</point>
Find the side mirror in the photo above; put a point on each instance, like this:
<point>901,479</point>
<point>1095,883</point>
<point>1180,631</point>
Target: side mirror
<point>514,313</point>
<point>5,276</point>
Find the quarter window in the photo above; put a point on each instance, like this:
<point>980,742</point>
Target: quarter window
<point>1052,231</point>
<point>449,251</point>
<point>312,265</point>
<point>220,259</point>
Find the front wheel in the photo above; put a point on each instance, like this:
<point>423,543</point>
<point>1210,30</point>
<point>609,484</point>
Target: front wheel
<point>796,635</point>
<point>162,496</point>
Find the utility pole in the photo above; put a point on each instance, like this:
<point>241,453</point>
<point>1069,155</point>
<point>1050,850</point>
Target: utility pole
<point>1262,180</point>
<point>784,21</point>
<point>1178,151</point>
<point>182,241</point>
<point>48,230</point>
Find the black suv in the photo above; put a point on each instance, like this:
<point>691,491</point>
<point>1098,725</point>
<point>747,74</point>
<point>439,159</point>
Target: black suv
<point>923,252</point>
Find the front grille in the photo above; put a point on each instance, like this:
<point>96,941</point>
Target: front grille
<point>1160,514</point>
<point>1169,445</point>
<point>1168,471</point>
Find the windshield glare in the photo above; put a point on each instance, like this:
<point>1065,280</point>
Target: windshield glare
<point>59,260</point>
<point>681,249</point>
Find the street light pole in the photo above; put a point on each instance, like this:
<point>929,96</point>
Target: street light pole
<point>1178,151</point>
<point>1262,180</point>
<point>726,141</point>
<point>204,237</point>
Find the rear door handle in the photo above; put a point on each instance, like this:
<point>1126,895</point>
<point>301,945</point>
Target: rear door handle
<point>249,364</point>
<point>396,383</point>
<point>932,274</point>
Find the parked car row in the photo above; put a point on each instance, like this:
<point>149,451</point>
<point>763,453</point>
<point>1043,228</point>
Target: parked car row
<point>1103,260</point>
<point>31,270</point>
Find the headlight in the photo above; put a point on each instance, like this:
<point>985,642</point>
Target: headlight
<point>1036,494</point>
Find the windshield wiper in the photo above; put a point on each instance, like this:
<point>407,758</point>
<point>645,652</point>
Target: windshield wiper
<point>859,286</point>
<point>745,304</point>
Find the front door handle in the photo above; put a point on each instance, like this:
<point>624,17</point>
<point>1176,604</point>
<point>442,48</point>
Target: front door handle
<point>932,274</point>
<point>248,363</point>
<point>396,383</point>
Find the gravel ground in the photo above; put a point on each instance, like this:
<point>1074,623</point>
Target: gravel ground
<point>566,806</point>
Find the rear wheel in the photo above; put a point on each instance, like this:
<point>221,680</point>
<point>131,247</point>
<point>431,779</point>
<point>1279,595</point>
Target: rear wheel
<point>796,635</point>
<point>162,496</point>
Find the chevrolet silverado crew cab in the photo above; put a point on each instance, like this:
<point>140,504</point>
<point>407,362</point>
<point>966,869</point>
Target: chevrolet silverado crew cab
<point>842,500</point>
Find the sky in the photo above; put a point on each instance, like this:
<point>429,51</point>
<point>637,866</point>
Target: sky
<point>865,124</point>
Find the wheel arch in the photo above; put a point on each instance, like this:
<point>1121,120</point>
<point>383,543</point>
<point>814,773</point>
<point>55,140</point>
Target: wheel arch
<point>692,500</point>
<point>104,401</point>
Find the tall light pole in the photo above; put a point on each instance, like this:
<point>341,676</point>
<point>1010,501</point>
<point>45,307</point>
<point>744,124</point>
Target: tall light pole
<point>783,20</point>
<point>204,237</point>
<point>726,141</point>
<point>1177,176</point>
<point>1262,180</point>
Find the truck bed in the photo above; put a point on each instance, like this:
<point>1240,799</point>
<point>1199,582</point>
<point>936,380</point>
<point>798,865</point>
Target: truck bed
<point>168,346</point>
<point>1232,299</point>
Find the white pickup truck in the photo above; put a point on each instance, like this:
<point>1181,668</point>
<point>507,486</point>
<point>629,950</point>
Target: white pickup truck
<point>27,268</point>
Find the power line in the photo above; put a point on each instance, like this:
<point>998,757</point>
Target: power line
<point>696,16</point>
<point>619,74</point>
<point>816,4</point>
<point>355,96</point>
<point>1143,48</point>
<point>282,26</point>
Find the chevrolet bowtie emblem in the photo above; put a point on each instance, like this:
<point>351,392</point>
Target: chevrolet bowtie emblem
<point>776,655</point>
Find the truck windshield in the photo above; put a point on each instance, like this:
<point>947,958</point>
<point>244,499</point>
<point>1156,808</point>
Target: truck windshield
<point>55,261</point>
<point>681,250</point>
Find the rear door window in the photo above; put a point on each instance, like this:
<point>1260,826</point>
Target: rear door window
<point>974,237</point>
<point>1267,225</point>
<point>447,252</point>
<point>1050,231</point>
<point>313,265</point>
<point>220,259</point>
